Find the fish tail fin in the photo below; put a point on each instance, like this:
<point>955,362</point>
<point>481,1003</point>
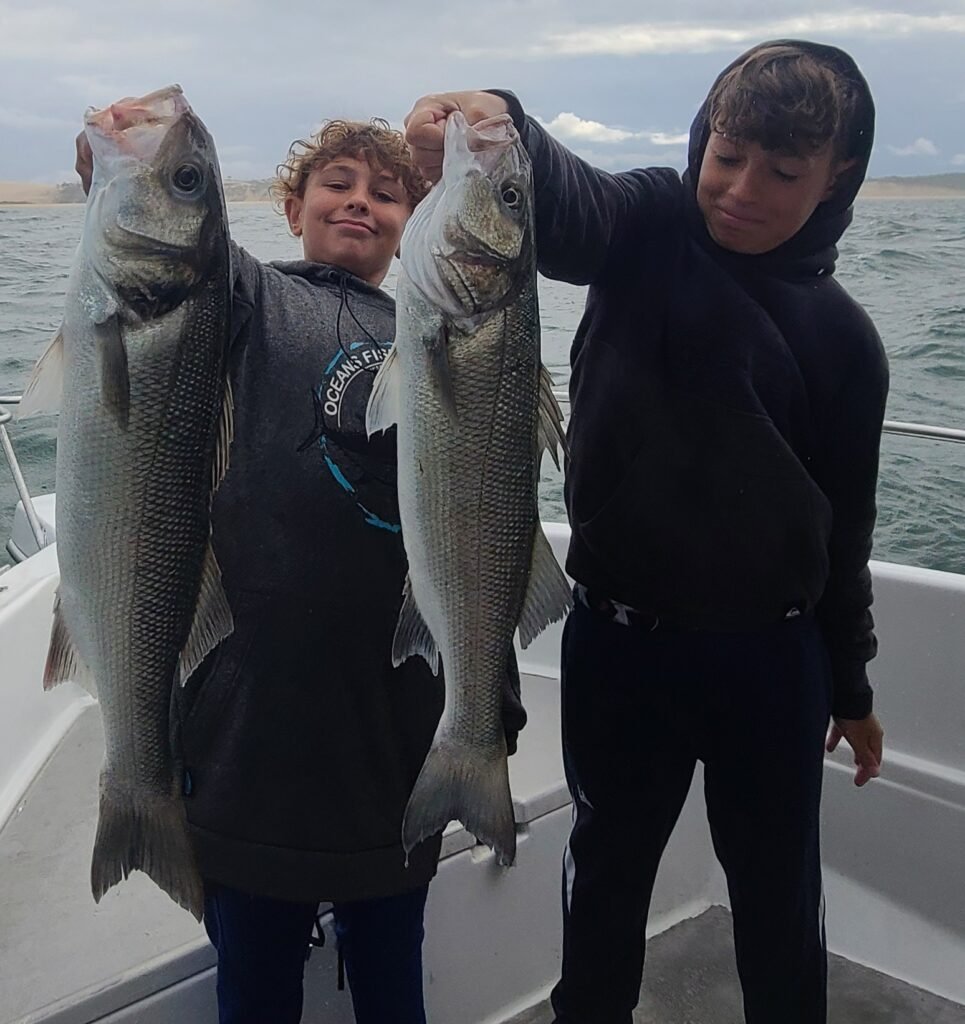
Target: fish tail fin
<point>149,834</point>
<point>465,784</point>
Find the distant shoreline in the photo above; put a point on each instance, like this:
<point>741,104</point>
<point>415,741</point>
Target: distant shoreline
<point>17,194</point>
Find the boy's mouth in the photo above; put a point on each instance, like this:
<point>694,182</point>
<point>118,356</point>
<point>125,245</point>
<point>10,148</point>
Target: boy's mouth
<point>361,225</point>
<point>730,217</point>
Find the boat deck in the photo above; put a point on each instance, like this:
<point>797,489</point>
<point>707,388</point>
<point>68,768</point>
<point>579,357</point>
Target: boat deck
<point>691,978</point>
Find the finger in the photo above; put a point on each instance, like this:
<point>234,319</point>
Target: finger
<point>84,163</point>
<point>878,746</point>
<point>834,738</point>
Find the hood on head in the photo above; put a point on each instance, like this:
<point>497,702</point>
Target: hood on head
<point>830,219</point>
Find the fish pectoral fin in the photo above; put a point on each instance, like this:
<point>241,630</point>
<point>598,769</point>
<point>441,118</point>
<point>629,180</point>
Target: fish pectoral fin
<point>550,435</point>
<point>45,389</point>
<point>382,411</point>
<point>440,376</point>
<point>548,595</point>
<point>412,635</point>
<point>112,360</point>
<point>213,620</point>
<point>226,433</point>
<point>64,664</point>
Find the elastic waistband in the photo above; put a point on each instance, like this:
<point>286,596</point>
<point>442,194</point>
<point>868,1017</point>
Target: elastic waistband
<point>626,615</point>
<point>619,612</point>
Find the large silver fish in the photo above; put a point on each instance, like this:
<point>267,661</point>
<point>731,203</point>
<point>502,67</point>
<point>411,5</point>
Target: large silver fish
<point>139,367</point>
<point>474,410</point>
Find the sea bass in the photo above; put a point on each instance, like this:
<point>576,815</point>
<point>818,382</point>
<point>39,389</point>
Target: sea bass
<point>475,410</point>
<point>139,370</point>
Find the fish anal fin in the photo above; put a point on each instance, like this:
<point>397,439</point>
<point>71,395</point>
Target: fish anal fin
<point>213,620</point>
<point>550,434</point>
<point>226,433</point>
<point>45,388</point>
<point>112,361</point>
<point>548,595</point>
<point>412,635</point>
<point>64,664</point>
<point>383,409</point>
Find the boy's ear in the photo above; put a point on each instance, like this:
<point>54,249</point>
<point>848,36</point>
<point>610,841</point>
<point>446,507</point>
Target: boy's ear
<point>293,211</point>
<point>839,171</point>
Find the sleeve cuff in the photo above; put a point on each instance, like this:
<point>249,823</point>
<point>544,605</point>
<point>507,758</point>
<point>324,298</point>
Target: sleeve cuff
<point>515,107</point>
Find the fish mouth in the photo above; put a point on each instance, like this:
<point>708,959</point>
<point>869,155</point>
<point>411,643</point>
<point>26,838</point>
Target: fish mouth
<point>136,125</point>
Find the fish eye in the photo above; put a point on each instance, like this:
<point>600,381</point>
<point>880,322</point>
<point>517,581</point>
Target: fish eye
<point>187,178</point>
<point>512,197</point>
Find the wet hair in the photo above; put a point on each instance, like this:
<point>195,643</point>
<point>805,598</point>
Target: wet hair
<point>784,97</point>
<point>374,141</point>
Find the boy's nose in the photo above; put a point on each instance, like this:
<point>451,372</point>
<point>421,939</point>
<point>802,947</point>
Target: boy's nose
<point>357,201</point>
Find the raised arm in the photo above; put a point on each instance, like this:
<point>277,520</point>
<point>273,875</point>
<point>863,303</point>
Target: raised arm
<point>584,216</point>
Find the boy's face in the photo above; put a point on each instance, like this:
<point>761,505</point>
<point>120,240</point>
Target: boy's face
<point>351,215</point>
<point>754,199</point>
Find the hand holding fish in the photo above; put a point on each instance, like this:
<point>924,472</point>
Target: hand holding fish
<point>425,124</point>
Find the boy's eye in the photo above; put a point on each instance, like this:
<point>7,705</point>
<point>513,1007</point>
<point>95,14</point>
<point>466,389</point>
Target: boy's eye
<point>386,197</point>
<point>727,161</point>
<point>341,185</point>
<point>785,175</point>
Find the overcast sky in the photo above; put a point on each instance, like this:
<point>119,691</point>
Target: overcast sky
<point>617,80</point>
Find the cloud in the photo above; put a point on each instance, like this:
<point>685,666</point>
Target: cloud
<point>568,127</point>
<point>920,147</point>
<point>671,37</point>
<point>69,37</point>
<point>958,160</point>
<point>11,117</point>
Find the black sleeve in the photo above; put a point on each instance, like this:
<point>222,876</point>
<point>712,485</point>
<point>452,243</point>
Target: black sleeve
<point>844,611</point>
<point>583,214</point>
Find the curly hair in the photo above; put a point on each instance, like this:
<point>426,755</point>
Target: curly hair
<point>373,141</point>
<point>785,98</point>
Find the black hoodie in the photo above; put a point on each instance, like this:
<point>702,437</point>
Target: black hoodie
<point>726,409</point>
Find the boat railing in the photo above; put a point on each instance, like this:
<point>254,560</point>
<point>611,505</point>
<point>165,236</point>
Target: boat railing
<point>896,427</point>
<point>36,527</point>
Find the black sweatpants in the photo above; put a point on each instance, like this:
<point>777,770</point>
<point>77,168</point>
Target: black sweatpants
<point>640,708</point>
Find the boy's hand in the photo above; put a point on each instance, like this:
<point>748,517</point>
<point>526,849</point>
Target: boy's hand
<point>865,737</point>
<point>84,164</point>
<point>425,124</point>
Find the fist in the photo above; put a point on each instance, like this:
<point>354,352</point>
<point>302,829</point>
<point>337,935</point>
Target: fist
<point>425,124</point>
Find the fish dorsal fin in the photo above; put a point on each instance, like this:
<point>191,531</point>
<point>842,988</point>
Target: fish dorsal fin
<point>548,596</point>
<point>112,361</point>
<point>550,435</point>
<point>226,433</point>
<point>64,664</point>
<point>45,389</point>
<point>412,635</point>
<point>213,620</point>
<point>382,411</point>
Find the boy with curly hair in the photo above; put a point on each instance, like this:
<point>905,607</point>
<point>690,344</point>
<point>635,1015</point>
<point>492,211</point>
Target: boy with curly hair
<point>301,742</point>
<point>727,402</point>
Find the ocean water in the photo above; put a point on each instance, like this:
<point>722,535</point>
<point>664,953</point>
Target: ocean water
<point>902,259</point>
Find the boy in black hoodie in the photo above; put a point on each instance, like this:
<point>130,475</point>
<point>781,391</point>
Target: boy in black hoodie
<point>727,401</point>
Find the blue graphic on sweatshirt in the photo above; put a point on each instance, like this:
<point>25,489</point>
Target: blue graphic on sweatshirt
<point>341,400</point>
